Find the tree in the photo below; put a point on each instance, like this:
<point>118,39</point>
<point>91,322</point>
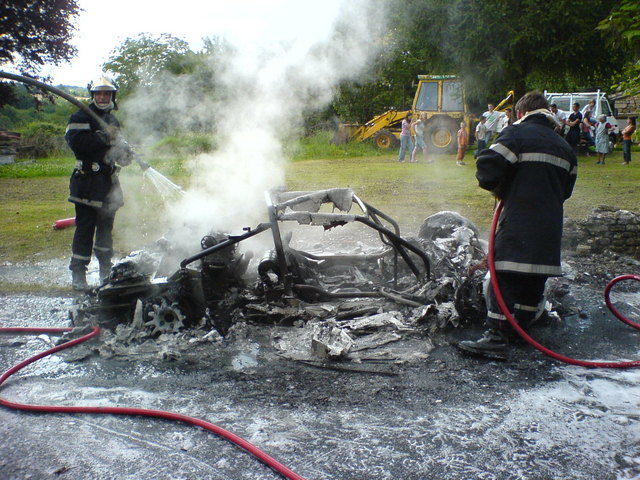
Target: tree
<point>493,46</point>
<point>512,44</point>
<point>139,61</point>
<point>160,78</point>
<point>34,33</point>
<point>622,28</point>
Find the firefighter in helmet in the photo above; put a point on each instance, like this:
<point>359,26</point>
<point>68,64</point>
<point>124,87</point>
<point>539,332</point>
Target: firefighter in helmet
<point>94,186</point>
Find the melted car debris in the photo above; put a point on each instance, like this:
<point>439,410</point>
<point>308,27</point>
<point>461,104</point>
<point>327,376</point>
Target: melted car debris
<point>352,307</point>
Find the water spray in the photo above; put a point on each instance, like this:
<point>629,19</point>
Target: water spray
<point>514,324</point>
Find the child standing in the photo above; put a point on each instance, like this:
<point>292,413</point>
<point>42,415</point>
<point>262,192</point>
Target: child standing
<point>481,135</point>
<point>463,143</point>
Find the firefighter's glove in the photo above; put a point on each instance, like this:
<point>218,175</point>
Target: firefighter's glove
<point>110,135</point>
<point>125,153</point>
<point>120,153</point>
<point>104,137</point>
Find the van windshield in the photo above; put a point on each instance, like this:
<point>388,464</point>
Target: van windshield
<point>565,102</point>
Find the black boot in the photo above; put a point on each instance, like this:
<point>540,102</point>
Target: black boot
<point>79,280</point>
<point>105,271</point>
<point>493,344</point>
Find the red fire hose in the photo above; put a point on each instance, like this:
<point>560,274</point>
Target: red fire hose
<point>64,223</point>
<point>524,335</point>
<point>256,452</point>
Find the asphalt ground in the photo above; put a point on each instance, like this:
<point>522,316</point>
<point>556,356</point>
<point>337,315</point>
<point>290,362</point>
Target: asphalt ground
<point>437,414</point>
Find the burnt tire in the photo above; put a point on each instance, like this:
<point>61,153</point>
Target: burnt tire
<point>440,135</point>
<point>384,139</point>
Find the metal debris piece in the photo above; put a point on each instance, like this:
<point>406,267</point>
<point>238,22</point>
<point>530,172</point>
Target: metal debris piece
<point>376,322</point>
<point>358,312</point>
<point>330,341</point>
<point>375,340</point>
<point>443,224</point>
<point>165,318</point>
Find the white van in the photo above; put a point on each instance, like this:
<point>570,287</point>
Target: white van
<point>564,101</point>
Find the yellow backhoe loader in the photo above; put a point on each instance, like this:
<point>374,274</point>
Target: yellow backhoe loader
<point>441,98</point>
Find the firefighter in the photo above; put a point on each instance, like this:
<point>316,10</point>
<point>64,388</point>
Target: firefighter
<point>94,187</point>
<point>533,171</point>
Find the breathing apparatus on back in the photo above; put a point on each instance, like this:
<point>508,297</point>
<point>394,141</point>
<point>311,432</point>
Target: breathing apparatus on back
<point>103,84</point>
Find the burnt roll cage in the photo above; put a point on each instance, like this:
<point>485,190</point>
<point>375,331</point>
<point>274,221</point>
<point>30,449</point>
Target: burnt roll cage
<point>304,208</point>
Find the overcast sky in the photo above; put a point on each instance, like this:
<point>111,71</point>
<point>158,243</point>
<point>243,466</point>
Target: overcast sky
<point>101,27</point>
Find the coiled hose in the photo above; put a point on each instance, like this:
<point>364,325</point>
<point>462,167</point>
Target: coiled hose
<point>253,450</point>
<point>531,341</point>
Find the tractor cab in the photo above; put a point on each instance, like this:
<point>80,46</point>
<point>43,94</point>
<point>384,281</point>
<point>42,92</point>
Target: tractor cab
<point>441,98</point>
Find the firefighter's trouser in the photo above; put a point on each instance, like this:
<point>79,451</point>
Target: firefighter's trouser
<point>522,294</point>
<point>89,222</point>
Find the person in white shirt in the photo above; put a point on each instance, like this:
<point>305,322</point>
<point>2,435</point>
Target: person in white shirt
<point>560,118</point>
<point>481,135</point>
<point>418,127</point>
<point>493,121</point>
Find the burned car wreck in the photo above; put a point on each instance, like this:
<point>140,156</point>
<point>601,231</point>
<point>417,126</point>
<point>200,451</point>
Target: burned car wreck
<point>348,301</point>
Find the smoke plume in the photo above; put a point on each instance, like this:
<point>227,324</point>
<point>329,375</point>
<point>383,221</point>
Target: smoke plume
<point>279,64</point>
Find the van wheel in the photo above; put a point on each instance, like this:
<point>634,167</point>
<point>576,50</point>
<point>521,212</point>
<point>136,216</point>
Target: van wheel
<point>440,135</point>
<point>384,139</point>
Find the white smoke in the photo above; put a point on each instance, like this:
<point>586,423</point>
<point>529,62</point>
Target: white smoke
<point>287,61</point>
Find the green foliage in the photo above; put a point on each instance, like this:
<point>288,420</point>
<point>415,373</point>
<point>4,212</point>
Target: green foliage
<point>41,139</point>
<point>33,34</point>
<point>628,80</point>
<point>27,110</point>
<point>21,110</point>
<point>161,78</point>
<point>139,61</point>
<point>53,166</point>
<point>360,103</point>
<point>622,28</point>
<point>501,45</point>
<point>622,25</point>
<point>319,145</point>
<point>43,128</point>
<point>183,145</point>
<point>493,46</point>
<point>10,117</point>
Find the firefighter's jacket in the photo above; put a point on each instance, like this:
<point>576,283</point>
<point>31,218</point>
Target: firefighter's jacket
<point>94,181</point>
<point>533,170</point>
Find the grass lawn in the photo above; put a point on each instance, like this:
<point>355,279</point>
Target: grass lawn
<point>33,195</point>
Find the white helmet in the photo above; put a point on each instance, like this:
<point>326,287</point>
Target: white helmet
<point>103,84</point>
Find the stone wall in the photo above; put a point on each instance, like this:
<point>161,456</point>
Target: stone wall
<point>605,228</point>
<point>8,146</point>
<point>628,106</point>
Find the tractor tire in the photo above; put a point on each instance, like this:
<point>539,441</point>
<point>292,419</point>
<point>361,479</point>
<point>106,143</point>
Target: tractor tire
<point>384,139</point>
<point>440,135</point>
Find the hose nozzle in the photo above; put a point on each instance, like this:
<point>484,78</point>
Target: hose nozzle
<point>143,165</point>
